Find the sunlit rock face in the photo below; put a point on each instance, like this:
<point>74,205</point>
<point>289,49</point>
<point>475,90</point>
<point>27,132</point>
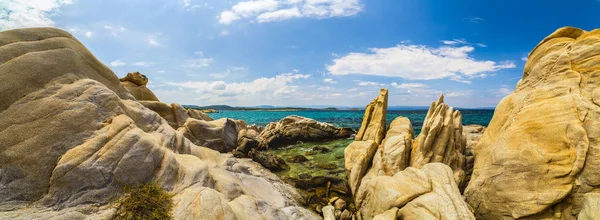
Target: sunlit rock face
<point>292,129</point>
<point>71,136</point>
<point>540,155</point>
<point>393,176</point>
<point>136,83</point>
<point>440,140</point>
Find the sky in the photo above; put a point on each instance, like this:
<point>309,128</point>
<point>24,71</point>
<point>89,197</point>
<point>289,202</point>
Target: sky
<point>312,52</point>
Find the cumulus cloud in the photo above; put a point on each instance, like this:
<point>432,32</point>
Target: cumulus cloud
<point>88,34</point>
<point>455,41</point>
<point>278,10</point>
<point>30,13</point>
<point>524,59</point>
<point>143,64</point>
<point>417,62</point>
<point>329,80</point>
<point>259,89</point>
<point>117,63</point>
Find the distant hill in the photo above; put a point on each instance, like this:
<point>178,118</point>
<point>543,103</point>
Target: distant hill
<point>315,107</point>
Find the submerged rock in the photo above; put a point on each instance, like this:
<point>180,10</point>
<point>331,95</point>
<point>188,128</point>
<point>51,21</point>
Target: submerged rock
<point>292,129</point>
<point>72,138</point>
<point>541,151</point>
<point>136,84</point>
<point>297,159</point>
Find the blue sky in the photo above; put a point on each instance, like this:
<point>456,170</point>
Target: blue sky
<point>311,52</point>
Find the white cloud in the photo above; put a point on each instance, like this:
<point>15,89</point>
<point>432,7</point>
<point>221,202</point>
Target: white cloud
<point>227,17</point>
<point>278,10</point>
<point>199,53</point>
<point>503,91</point>
<point>481,45</point>
<point>326,88</point>
<point>410,85</point>
<point>88,34</point>
<point>417,62</point>
<point>258,90</point>
<point>233,72</point>
<point>459,93</point>
<point>455,41</point>
<point>224,33</point>
<point>367,83</point>
<point>152,41</point>
<point>117,63</point>
<point>29,13</point>
<point>329,80</point>
<point>143,64</point>
<point>279,15</point>
<point>474,19</point>
<point>524,59</point>
<point>197,63</point>
<point>115,30</point>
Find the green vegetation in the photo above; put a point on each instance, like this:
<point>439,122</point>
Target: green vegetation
<point>144,201</point>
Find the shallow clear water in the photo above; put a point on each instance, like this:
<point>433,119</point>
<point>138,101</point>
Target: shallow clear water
<point>351,119</point>
<point>333,160</point>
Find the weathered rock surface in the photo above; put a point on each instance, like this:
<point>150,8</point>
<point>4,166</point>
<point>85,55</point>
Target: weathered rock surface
<point>471,135</point>
<point>292,129</point>
<point>175,114</point>
<point>540,153</point>
<point>358,157</point>
<point>440,140</point>
<point>428,193</point>
<point>395,149</point>
<point>591,207</point>
<point>136,83</point>
<point>373,124</point>
<point>220,135</point>
<point>73,138</point>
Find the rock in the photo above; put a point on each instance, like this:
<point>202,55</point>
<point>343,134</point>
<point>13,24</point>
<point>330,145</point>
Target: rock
<point>346,215</point>
<point>174,113</point>
<point>396,147</point>
<point>317,181</point>
<point>320,149</point>
<point>328,212</point>
<point>297,159</point>
<point>72,139</point>
<point>339,204</point>
<point>292,129</point>
<point>220,135</point>
<point>373,124</point>
<point>471,134</point>
<point>304,176</point>
<point>268,160</point>
<point>591,207</point>
<point>136,84</point>
<point>428,193</point>
<point>326,166</point>
<point>358,157</point>
<point>541,151</point>
<point>388,215</point>
<point>441,140</point>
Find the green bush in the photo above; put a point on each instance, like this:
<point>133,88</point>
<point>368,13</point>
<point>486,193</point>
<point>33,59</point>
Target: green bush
<point>146,201</point>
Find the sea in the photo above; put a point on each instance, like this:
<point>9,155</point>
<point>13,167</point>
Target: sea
<point>347,118</point>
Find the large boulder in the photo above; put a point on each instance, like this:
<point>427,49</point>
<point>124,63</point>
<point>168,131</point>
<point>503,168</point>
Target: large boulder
<point>220,135</point>
<point>136,84</point>
<point>71,140</point>
<point>440,140</point>
<point>292,129</point>
<point>426,193</point>
<point>541,151</point>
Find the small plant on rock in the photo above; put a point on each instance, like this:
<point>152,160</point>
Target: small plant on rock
<point>145,201</point>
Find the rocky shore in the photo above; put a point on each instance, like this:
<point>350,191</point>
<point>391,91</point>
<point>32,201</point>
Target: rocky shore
<point>74,137</point>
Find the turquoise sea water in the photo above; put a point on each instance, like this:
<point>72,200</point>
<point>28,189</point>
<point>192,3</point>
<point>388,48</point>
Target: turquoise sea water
<point>351,119</point>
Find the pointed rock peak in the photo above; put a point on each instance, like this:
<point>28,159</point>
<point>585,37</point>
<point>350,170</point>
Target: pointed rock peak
<point>373,124</point>
<point>440,99</point>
